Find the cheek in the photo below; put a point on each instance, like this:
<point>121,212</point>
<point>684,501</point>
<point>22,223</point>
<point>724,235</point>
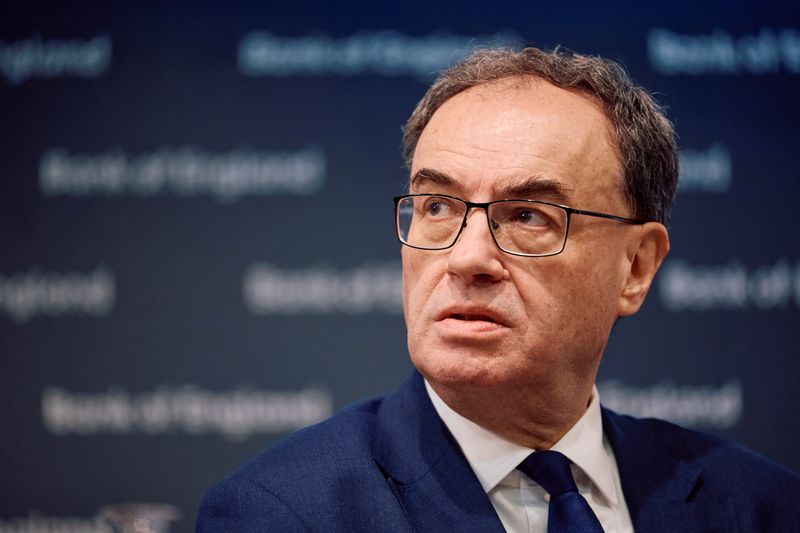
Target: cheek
<point>569,298</point>
<point>419,282</point>
<point>594,297</point>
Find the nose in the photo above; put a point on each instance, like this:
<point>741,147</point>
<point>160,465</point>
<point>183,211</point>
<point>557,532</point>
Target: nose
<point>475,257</point>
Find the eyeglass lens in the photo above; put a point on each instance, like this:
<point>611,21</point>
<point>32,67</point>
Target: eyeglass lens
<point>524,227</point>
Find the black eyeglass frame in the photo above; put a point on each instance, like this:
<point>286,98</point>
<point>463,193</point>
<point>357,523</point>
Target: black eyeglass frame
<point>485,206</point>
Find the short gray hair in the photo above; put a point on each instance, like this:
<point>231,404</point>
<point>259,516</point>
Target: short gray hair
<point>645,138</point>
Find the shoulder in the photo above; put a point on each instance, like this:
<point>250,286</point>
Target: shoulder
<point>346,436</point>
<point>725,458</point>
<point>313,464</point>
<point>660,458</point>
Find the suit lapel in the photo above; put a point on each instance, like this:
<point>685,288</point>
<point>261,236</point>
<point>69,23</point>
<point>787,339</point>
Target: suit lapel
<point>425,468</point>
<point>662,480</point>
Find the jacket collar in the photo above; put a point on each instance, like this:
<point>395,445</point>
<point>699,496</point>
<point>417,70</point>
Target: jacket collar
<point>425,468</point>
<point>662,477</point>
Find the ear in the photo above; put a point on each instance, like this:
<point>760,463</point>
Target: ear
<point>646,250</point>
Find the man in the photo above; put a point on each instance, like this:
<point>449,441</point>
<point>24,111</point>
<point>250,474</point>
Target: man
<point>509,298</point>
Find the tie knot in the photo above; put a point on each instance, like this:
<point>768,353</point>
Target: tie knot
<point>550,469</point>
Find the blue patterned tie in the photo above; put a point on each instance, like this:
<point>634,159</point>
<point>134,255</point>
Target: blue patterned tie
<point>568,511</point>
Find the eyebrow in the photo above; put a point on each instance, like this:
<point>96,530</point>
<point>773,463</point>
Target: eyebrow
<point>536,188</point>
<point>426,176</point>
<point>533,188</point>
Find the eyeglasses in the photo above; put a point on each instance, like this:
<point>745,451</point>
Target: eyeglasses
<point>529,228</point>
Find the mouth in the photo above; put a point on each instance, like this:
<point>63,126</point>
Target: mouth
<point>482,318</point>
<point>475,315</point>
<point>461,325</point>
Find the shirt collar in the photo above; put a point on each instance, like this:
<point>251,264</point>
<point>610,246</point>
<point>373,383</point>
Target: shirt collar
<point>492,457</point>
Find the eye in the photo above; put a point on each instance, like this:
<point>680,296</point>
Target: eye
<point>437,208</point>
<point>530,217</point>
<point>434,208</point>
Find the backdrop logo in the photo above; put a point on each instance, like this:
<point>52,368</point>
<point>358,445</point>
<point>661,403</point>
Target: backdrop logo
<point>706,170</point>
<point>719,52</point>
<point>728,287</point>
<point>703,406</point>
<point>34,58</point>
<point>187,409</point>
<point>385,53</point>
<point>269,290</point>
<point>35,522</point>
<point>28,294</point>
<point>183,172</point>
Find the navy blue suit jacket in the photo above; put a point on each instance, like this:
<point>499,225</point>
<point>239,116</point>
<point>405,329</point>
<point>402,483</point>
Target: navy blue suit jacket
<point>390,464</point>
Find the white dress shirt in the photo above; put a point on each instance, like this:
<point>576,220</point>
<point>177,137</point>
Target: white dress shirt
<point>519,501</point>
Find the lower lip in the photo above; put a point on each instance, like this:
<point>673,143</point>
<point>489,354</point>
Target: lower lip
<point>476,329</point>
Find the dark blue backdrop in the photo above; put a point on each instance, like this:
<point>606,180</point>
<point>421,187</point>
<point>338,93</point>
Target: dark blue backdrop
<point>196,225</point>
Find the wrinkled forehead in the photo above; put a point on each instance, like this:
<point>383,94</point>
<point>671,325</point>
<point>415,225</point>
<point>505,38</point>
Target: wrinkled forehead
<point>499,138</point>
<point>537,91</point>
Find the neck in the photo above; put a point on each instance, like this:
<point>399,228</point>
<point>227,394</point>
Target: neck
<point>524,416</point>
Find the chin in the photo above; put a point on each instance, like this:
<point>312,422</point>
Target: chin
<point>459,370</point>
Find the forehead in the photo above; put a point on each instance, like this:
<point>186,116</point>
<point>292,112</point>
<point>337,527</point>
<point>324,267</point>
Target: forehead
<point>493,137</point>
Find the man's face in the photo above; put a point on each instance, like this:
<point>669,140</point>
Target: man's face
<point>480,317</point>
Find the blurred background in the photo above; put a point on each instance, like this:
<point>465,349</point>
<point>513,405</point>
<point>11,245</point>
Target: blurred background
<point>196,228</point>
